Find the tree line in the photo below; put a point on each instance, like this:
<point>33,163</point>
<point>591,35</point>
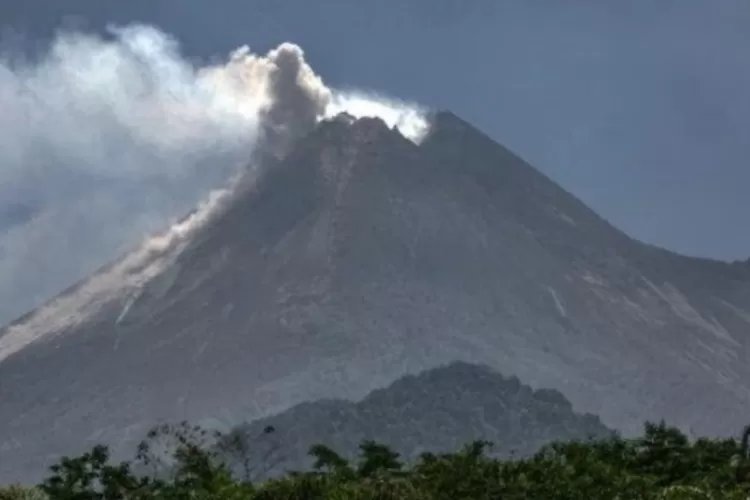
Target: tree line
<point>188,462</point>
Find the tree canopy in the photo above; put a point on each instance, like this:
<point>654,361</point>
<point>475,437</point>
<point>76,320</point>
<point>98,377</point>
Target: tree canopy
<point>661,464</point>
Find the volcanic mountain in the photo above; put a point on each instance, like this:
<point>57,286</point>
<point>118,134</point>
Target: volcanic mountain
<point>360,257</point>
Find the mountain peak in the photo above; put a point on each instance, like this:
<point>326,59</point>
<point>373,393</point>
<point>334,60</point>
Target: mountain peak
<point>448,121</point>
<point>360,257</point>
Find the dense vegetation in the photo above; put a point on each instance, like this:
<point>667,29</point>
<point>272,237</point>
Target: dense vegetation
<point>189,463</point>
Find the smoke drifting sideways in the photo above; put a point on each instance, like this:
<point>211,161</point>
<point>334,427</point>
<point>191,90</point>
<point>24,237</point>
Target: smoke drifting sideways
<point>104,141</point>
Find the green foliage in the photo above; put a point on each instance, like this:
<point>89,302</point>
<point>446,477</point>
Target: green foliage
<point>662,464</point>
<point>377,459</point>
<point>92,477</point>
<point>21,493</point>
<point>329,461</point>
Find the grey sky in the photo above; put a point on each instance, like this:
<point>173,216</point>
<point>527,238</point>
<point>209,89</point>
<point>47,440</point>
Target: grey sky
<point>641,107</point>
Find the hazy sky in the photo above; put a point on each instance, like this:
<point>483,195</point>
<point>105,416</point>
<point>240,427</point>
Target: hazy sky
<point>641,108</point>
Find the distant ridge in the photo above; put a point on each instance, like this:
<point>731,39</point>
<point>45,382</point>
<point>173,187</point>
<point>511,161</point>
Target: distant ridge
<point>436,411</point>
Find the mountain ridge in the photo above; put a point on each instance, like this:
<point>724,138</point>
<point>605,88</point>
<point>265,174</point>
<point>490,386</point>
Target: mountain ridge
<point>433,411</point>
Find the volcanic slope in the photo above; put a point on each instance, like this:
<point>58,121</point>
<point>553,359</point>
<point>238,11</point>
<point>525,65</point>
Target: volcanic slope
<point>362,257</point>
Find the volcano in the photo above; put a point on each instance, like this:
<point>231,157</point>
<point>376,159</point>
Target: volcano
<point>357,259</point>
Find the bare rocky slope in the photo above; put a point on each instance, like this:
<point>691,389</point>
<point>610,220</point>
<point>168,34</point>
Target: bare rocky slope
<point>360,258</point>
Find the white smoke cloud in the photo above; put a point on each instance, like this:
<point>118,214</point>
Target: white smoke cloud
<point>124,278</point>
<point>103,141</point>
<point>410,118</point>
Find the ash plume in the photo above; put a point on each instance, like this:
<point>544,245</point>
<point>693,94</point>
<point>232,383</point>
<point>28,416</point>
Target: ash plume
<point>105,141</point>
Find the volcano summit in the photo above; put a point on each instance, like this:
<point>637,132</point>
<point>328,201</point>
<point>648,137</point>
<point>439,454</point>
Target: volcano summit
<point>356,258</point>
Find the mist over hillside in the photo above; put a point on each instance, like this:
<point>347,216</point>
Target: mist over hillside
<point>108,140</point>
